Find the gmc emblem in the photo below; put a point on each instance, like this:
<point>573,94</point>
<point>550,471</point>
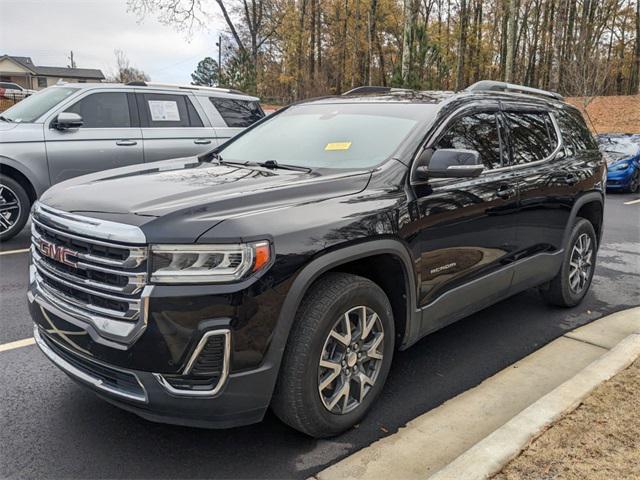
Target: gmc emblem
<point>58,253</point>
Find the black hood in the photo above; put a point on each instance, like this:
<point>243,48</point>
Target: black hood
<point>189,191</point>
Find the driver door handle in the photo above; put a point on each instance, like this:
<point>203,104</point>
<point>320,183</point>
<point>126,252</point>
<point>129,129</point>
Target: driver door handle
<point>202,141</point>
<point>126,143</point>
<point>505,192</point>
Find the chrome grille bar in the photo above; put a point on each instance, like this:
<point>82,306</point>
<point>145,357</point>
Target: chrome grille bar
<point>95,281</point>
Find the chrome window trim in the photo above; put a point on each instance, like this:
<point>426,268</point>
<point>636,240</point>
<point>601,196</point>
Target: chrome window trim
<point>88,226</point>
<point>223,375</point>
<point>499,109</point>
<point>84,377</point>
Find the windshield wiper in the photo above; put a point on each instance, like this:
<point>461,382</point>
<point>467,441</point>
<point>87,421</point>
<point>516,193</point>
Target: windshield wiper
<point>282,166</point>
<point>6,119</point>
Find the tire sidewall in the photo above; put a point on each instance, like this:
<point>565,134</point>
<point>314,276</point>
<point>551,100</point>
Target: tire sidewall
<point>25,205</point>
<point>582,226</point>
<point>374,298</point>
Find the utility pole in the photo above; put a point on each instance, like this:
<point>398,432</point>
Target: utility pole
<point>219,45</point>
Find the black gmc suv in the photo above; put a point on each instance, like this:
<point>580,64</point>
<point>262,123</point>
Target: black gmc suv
<point>284,268</point>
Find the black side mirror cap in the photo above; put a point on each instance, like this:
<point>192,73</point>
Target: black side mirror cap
<point>67,120</point>
<point>454,163</point>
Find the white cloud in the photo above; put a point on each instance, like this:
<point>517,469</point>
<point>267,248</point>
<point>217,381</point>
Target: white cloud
<point>46,30</point>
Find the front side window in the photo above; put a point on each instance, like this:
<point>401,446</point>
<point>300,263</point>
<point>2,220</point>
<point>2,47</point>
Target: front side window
<point>532,135</point>
<point>34,106</point>
<point>237,113</point>
<point>478,131</point>
<point>338,135</point>
<point>103,110</point>
<point>165,110</point>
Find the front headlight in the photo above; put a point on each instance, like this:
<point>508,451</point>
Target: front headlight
<point>207,263</point>
<point>619,166</point>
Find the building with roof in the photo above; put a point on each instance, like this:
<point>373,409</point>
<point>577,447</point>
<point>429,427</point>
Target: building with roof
<point>24,72</point>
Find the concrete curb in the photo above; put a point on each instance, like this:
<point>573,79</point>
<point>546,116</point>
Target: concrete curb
<point>488,456</point>
<point>474,434</point>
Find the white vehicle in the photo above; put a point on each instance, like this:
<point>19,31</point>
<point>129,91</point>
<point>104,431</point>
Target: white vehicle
<point>14,91</point>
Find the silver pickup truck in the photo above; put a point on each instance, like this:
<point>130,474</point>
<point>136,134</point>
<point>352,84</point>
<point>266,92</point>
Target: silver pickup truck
<point>75,129</point>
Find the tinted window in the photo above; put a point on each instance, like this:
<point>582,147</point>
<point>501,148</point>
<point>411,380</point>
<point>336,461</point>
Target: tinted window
<point>237,113</point>
<point>479,132</point>
<point>10,86</point>
<point>103,110</point>
<point>532,136</point>
<point>575,134</point>
<point>163,110</point>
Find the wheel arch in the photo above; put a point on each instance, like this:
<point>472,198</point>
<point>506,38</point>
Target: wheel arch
<point>21,177</point>
<point>343,259</point>
<point>591,207</point>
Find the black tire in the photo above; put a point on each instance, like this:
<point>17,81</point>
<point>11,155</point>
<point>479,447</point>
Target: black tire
<point>297,399</point>
<point>634,183</point>
<point>560,291</point>
<point>14,221</point>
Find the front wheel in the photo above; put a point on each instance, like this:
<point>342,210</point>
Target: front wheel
<point>634,183</point>
<point>14,207</point>
<point>337,357</point>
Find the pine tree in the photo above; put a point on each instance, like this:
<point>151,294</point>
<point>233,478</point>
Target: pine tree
<point>206,73</point>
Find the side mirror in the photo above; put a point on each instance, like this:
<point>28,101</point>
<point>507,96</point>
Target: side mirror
<point>68,120</point>
<point>449,163</point>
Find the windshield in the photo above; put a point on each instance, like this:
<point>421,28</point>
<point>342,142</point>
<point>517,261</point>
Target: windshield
<point>329,135</point>
<point>33,107</point>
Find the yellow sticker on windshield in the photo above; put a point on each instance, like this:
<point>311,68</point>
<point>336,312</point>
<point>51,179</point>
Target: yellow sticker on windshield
<point>337,146</point>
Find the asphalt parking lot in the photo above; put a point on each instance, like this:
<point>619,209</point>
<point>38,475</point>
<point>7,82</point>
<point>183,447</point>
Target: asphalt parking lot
<point>50,427</point>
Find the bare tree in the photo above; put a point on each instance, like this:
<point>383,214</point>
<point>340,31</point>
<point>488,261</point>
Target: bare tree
<point>125,73</point>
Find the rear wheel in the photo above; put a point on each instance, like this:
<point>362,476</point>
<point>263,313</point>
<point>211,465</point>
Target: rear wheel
<point>572,282</point>
<point>337,357</point>
<point>14,207</point>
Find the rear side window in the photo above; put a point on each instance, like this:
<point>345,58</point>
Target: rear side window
<point>237,113</point>
<point>163,110</point>
<point>478,131</point>
<point>575,134</point>
<point>532,136</point>
<point>103,110</point>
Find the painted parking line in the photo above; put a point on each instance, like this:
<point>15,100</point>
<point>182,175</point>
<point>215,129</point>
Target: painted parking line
<point>11,252</point>
<point>632,202</point>
<point>25,342</point>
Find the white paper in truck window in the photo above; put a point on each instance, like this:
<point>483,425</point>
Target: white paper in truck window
<point>164,111</point>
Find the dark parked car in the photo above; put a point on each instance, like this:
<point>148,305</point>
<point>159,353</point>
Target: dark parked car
<point>285,267</point>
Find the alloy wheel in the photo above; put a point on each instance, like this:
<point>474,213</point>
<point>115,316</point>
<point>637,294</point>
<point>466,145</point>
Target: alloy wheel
<point>351,360</point>
<point>581,263</point>
<point>10,208</point>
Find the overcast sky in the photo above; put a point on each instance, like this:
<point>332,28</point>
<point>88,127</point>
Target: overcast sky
<point>46,30</point>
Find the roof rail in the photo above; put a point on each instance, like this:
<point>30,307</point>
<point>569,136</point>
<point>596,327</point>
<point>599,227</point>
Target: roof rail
<point>183,87</point>
<point>493,86</point>
<point>371,89</point>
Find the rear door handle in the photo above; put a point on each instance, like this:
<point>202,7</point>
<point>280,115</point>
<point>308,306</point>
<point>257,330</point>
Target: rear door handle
<point>126,143</point>
<point>202,141</point>
<point>505,192</point>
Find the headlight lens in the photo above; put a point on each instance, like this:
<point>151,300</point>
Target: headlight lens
<point>620,166</point>
<point>207,263</point>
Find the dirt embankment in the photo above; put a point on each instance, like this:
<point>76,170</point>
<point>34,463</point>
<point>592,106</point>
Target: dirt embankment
<point>613,114</point>
<point>600,440</point>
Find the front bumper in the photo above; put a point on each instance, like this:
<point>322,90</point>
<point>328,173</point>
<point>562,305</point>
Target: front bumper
<point>243,398</point>
<point>617,180</point>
